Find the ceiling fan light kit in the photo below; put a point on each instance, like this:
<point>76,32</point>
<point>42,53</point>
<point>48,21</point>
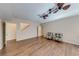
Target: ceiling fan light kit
<point>66,7</point>
<point>54,10</point>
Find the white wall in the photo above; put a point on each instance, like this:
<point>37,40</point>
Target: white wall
<point>1,35</point>
<point>23,26</point>
<point>10,31</point>
<point>68,26</point>
<point>30,32</point>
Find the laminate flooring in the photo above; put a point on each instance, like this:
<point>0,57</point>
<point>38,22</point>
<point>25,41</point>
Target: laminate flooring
<point>39,47</point>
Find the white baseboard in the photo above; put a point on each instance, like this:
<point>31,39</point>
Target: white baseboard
<point>1,47</point>
<point>26,38</point>
<point>75,43</point>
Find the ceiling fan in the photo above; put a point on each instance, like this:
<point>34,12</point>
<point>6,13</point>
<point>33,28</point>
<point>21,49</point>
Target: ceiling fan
<point>55,9</point>
<point>63,6</point>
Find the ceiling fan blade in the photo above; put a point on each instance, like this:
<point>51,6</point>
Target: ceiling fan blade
<point>66,7</point>
<point>60,5</point>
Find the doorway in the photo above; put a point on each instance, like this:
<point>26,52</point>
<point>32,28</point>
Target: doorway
<point>39,31</point>
<point>10,33</point>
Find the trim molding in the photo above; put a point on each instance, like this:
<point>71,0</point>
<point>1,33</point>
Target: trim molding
<point>27,39</point>
<point>11,40</point>
<point>1,47</point>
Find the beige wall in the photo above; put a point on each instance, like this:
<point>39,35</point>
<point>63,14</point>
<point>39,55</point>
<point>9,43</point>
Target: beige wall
<point>10,31</point>
<point>1,34</point>
<point>39,30</point>
<point>68,26</point>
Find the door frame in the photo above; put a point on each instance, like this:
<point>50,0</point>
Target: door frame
<point>4,34</point>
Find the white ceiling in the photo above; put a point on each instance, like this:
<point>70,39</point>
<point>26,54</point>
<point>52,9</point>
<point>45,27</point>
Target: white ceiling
<point>30,11</point>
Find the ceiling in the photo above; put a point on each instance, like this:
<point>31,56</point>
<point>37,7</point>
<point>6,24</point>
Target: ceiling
<point>30,11</point>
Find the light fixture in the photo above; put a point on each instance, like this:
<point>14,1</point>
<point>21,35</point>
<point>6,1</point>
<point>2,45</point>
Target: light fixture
<point>55,9</point>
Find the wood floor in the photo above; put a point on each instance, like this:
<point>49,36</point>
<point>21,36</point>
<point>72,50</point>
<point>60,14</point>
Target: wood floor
<point>39,47</point>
